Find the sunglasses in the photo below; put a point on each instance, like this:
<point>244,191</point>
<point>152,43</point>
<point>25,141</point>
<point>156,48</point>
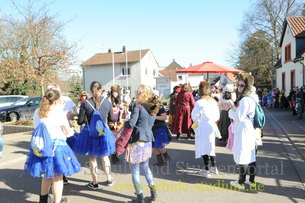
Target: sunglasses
<point>241,85</point>
<point>138,92</point>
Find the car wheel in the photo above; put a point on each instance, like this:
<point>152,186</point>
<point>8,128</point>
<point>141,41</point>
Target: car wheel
<point>13,116</point>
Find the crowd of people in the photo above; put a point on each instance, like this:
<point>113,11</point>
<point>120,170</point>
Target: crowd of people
<point>199,114</point>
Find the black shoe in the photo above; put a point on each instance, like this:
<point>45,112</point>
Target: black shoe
<point>110,182</point>
<point>92,186</point>
<point>178,136</point>
<point>65,180</point>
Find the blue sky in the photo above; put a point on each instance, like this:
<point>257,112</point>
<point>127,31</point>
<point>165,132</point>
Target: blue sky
<point>192,31</point>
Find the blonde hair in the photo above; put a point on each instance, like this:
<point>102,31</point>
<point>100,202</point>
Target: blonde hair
<point>47,100</point>
<point>146,93</point>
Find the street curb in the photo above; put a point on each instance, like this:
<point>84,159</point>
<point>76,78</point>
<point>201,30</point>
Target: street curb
<point>8,129</point>
<point>293,154</point>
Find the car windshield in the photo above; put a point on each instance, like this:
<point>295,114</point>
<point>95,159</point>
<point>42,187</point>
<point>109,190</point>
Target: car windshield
<point>20,102</point>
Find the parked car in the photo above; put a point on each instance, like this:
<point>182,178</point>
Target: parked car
<point>21,109</point>
<point>6,100</point>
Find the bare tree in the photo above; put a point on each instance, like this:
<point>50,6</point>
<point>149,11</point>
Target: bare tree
<point>33,48</point>
<point>268,16</point>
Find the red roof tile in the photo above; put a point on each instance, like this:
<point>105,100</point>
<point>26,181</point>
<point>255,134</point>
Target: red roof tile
<point>119,57</point>
<point>297,25</point>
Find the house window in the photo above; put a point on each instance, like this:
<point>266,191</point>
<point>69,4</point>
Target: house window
<point>288,53</point>
<point>146,73</point>
<point>283,81</point>
<point>292,78</point>
<point>123,68</point>
<point>180,77</point>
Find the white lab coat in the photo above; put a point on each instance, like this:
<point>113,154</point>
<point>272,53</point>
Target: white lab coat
<point>244,132</point>
<point>206,113</point>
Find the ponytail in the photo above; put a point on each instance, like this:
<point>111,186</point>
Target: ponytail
<point>94,88</point>
<point>47,100</point>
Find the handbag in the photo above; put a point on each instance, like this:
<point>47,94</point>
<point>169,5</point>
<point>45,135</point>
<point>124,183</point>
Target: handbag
<point>122,140</point>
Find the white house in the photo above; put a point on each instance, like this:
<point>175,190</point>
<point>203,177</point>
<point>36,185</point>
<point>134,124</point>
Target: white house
<point>290,68</point>
<point>128,69</point>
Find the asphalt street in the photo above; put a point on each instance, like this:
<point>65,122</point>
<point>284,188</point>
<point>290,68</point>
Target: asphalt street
<point>280,171</point>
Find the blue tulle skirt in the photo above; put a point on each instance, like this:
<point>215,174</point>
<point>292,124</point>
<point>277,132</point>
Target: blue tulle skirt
<point>63,162</point>
<point>161,137</point>
<point>94,146</point>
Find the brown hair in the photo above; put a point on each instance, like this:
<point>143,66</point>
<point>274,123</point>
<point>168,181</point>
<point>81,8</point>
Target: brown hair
<point>47,100</point>
<point>249,82</point>
<point>94,88</point>
<point>118,89</point>
<point>84,93</point>
<point>204,89</point>
<point>185,88</point>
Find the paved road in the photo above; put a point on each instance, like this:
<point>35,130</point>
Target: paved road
<point>280,172</point>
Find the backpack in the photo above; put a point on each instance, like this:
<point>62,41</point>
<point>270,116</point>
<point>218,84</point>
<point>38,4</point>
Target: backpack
<point>259,116</point>
<point>97,126</point>
<point>41,142</point>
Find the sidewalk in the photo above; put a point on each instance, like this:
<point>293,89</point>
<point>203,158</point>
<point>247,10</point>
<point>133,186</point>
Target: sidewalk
<point>280,171</point>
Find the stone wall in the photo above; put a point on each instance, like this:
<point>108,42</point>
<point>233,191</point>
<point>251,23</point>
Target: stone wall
<point>7,129</point>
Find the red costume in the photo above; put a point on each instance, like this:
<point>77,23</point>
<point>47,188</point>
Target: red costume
<point>184,105</point>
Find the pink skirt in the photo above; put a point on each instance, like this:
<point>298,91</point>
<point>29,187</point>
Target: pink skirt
<point>230,138</point>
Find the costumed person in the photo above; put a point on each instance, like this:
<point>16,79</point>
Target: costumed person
<point>244,132</point>
<point>127,101</point>
<point>292,100</point>
<point>82,97</point>
<point>172,105</point>
<point>101,146</point>
<point>185,103</point>
<point>119,111</point>
<point>71,111</point>
<point>63,162</point>
<point>206,114</point>
<point>299,108</point>
<point>139,149</point>
<point>162,137</point>
<point>225,121</point>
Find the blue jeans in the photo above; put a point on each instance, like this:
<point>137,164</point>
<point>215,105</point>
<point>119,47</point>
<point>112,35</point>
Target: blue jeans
<point>135,172</point>
<point>1,145</point>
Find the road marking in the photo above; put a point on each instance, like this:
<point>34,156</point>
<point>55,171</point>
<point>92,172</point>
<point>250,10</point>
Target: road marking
<point>12,161</point>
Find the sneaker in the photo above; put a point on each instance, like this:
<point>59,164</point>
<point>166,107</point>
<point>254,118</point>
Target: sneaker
<point>65,180</point>
<point>204,173</point>
<point>214,170</point>
<point>110,182</point>
<point>64,200</point>
<point>92,186</point>
<point>250,183</point>
<point>237,185</point>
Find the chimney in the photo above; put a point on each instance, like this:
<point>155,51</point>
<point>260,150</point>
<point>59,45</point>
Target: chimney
<point>109,50</point>
<point>124,49</point>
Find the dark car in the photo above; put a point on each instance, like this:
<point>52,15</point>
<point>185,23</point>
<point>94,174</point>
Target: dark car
<point>21,109</point>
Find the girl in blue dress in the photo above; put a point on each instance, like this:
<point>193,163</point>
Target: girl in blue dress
<point>63,162</point>
<point>96,147</point>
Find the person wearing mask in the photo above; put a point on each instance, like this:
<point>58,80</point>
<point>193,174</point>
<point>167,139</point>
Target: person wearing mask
<point>63,162</point>
<point>244,132</point>
<point>82,97</point>
<point>139,149</point>
<point>102,146</point>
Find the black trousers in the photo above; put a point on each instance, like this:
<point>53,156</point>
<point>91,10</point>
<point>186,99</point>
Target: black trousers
<point>244,169</point>
<point>206,161</point>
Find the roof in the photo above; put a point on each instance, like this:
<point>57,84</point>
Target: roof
<point>119,57</point>
<point>173,66</point>
<point>297,25</point>
<point>171,73</point>
<point>278,64</point>
<point>299,56</point>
